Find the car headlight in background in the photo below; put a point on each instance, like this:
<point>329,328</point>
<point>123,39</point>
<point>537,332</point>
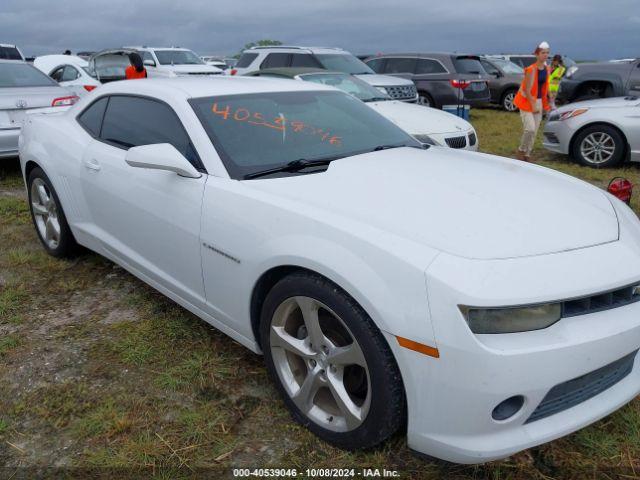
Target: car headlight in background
<point>571,71</point>
<point>512,320</point>
<point>425,140</point>
<point>383,90</point>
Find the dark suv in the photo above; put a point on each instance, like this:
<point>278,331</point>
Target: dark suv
<point>441,78</point>
<point>507,77</point>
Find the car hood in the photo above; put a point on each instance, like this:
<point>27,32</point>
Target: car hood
<point>383,80</point>
<point>466,204</point>
<point>612,102</point>
<point>419,120</point>
<point>191,68</point>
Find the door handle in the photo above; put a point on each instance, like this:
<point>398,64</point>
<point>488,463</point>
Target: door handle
<point>92,164</point>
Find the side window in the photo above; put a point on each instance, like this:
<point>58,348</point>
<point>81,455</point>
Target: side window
<point>376,64</point>
<point>304,60</point>
<point>147,57</point>
<point>57,74</point>
<point>132,121</point>
<point>276,60</point>
<point>10,53</point>
<point>69,73</point>
<point>400,65</point>
<point>91,118</point>
<point>491,70</point>
<point>427,66</point>
<point>246,59</point>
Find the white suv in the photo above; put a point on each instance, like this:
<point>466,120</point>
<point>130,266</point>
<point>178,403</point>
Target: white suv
<point>334,59</point>
<point>173,62</point>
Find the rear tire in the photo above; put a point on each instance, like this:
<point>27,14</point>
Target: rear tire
<point>48,217</point>
<point>426,100</point>
<point>599,146</point>
<point>506,102</point>
<point>355,400</point>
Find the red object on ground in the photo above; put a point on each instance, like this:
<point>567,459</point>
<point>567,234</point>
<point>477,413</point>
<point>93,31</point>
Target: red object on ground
<point>621,188</point>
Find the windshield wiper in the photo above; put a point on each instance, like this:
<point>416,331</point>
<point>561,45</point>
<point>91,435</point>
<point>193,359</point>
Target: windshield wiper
<point>399,145</point>
<point>377,99</point>
<point>293,166</point>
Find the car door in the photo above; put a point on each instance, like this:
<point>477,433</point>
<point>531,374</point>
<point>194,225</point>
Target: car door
<point>149,220</point>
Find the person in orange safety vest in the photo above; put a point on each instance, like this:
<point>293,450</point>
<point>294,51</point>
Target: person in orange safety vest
<point>136,69</point>
<point>532,99</point>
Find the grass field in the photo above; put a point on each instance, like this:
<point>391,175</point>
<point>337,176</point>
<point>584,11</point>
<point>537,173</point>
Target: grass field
<point>100,375</point>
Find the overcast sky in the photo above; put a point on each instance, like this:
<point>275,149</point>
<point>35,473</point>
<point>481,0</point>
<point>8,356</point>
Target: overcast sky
<point>582,29</point>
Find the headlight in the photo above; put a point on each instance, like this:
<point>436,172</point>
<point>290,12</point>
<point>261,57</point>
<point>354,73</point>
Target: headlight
<point>425,139</point>
<point>571,71</point>
<point>511,320</point>
<point>572,113</point>
<point>383,90</point>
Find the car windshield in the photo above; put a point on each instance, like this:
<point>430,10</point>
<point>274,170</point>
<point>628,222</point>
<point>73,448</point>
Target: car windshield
<point>22,75</point>
<point>508,67</point>
<point>177,57</point>
<point>349,84</point>
<point>468,65</point>
<point>343,62</point>
<point>259,131</point>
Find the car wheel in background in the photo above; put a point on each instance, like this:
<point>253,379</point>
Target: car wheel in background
<point>426,100</point>
<point>507,101</point>
<point>48,217</point>
<point>331,364</point>
<point>599,146</point>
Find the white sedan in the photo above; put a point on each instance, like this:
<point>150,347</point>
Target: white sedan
<point>429,126</point>
<point>69,71</point>
<point>597,133</point>
<point>493,305</point>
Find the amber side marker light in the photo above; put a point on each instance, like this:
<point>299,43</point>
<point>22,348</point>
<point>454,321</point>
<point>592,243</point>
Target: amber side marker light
<point>418,347</point>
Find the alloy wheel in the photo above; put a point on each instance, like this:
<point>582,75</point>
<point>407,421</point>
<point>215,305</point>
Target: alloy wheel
<point>424,101</point>
<point>507,102</point>
<point>320,364</point>
<point>597,148</point>
<point>45,213</point>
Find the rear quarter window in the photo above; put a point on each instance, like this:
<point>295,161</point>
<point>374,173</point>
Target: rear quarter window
<point>376,64</point>
<point>468,65</point>
<point>91,118</point>
<point>427,66</point>
<point>10,53</point>
<point>246,59</point>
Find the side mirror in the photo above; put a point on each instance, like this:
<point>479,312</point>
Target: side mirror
<point>161,156</point>
<point>149,63</point>
<point>497,74</point>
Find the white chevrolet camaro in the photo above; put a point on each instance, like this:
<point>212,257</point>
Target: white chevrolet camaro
<point>492,304</point>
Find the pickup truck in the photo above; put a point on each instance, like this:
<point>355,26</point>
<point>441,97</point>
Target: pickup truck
<point>586,81</point>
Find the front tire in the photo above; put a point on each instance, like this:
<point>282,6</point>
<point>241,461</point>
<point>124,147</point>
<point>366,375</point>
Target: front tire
<point>48,217</point>
<point>331,364</point>
<point>599,146</point>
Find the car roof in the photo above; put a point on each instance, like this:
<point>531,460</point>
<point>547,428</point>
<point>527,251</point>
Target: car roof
<point>286,72</point>
<point>207,87</point>
<point>295,47</point>
<point>8,45</point>
<point>425,54</point>
<point>145,47</point>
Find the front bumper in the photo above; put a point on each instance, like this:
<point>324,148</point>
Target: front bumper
<point>451,398</point>
<point>557,135</point>
<point>9,142</point>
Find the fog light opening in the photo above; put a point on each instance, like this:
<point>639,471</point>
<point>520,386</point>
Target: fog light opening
<point>508,408</point>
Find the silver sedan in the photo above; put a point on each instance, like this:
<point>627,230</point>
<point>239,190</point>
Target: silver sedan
<point>24,88</point>
<point>596,133</point>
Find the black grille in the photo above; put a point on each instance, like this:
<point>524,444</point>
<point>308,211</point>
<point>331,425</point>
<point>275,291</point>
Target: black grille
<point>472,139</point>
<point>402,92</point>
<point>600,302</point>
<point>571,393</point>
<point>551,137</point>
<point>456,142</point>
